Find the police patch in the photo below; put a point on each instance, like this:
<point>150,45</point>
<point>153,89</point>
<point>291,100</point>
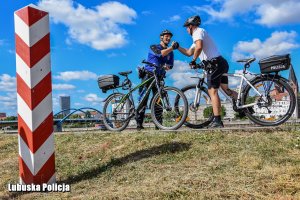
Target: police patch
<point>155,49</point>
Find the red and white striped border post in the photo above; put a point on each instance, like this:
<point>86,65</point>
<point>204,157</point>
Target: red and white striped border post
<point>34,96</point>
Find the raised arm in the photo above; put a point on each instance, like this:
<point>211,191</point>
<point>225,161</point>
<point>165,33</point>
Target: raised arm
<point>166,51</point>
<point>188,52</point>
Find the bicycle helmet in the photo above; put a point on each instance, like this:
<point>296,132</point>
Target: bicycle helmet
<point>165,32</point>
<point>194,20</point>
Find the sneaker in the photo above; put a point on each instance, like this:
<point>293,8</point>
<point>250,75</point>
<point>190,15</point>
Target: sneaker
<point>139,127</point>
<point>215,124</point>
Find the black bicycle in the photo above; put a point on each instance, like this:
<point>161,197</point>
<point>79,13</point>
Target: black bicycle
<point>267,99</point>
<point>120,108</point>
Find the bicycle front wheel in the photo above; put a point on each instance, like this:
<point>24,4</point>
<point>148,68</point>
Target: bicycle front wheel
<point>200,113</point>
<point>116,112</point>
<point>166,113</point>
<point>275,106</point>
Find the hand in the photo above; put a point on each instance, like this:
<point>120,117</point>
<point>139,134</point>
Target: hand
<point>167,67</point>
<point>193,64</point>
<point>175,45</point>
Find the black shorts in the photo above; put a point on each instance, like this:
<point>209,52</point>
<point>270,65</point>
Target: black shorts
<point>215,78</point>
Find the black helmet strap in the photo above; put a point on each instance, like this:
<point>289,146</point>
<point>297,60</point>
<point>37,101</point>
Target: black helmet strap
<point>191,30</point>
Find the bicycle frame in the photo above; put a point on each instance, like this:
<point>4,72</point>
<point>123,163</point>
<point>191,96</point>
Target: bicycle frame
<point>240,93</point>
<point>154,81</point>
<point>131,90</point>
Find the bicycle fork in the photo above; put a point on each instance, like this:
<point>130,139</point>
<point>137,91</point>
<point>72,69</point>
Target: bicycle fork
<point>196,102</point>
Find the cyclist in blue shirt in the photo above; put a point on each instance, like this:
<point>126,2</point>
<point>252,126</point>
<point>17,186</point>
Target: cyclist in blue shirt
<point>161,55</point>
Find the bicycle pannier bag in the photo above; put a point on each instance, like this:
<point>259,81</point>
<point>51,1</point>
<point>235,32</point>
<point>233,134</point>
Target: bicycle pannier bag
<point>275,63</point>
<point>108,82</point>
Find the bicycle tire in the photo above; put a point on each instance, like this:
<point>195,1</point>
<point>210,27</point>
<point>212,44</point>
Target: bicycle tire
<point>106,121</point>
<point>184,109</point>
<point>207,121</point>
<point>281,83</point>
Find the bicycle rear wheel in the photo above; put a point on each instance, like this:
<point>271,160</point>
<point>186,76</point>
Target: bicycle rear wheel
<point>165,113</point>
<point>201,115</point>
<point>275,106</point>
<point>116,112</point>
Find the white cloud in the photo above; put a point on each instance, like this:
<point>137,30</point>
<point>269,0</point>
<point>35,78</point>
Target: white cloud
<point>76,75</point>
<point>174,18</point>
<point>277,43</point>
<point>112,55</point>
<point>268,12</point>
<point>11,105</point>
<point>63,86</point>
<point>55,101</point>
<point>7,83</point>
<point>98,28</point>
<point>147,12</point>
<point>80,91</point>
<point>78,104</point>
<point>285,13</point>
<point>9,101</point>
<point>93,98</point>
<point>68,41</point>
<point>181,74</point>
<point>9,97</point>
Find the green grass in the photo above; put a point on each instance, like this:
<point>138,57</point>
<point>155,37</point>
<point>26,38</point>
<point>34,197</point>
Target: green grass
<point>166,165</point>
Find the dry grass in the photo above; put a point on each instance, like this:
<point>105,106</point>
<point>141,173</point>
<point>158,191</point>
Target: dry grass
<point>156,165</point>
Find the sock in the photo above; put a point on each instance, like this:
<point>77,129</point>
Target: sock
<point>217,118</point>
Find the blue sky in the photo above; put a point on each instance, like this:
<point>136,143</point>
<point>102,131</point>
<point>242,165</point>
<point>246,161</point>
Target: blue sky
<point>91,38</point>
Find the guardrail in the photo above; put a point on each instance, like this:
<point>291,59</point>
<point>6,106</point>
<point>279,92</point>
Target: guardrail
<point>14,123</point>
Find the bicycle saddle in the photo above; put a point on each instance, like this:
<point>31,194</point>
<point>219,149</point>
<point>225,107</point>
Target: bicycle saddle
<point>247,60</point>
<point>125,73</point>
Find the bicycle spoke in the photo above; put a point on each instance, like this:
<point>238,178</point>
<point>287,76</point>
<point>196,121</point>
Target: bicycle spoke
<point>171,115</point>
<point>274,106</point>
<point>201,114</point>
<point>116,113</point>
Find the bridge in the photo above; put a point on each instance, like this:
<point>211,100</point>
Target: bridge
<point>58,122</point>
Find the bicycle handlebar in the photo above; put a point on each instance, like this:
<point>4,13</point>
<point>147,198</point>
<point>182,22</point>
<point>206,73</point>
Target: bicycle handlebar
<point>206,65</point>
<point>148,63</point>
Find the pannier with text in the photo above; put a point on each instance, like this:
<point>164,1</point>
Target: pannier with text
<point>275,63</point>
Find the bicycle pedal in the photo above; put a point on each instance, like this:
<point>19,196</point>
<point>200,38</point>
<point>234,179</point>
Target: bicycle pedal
<point>141,110</point>
<point>251,110</point>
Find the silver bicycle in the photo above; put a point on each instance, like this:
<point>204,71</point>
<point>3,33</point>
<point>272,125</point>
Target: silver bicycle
<point>267,98</point>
